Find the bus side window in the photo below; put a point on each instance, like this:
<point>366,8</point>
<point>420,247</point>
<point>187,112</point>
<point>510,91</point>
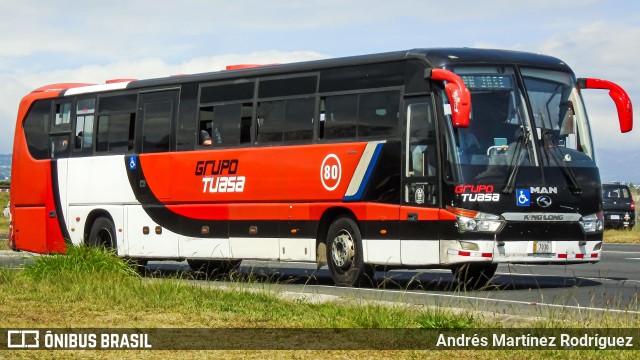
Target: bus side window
<point>299,119</point>
<point>85,109</point>
<point>422,140</point>
<point>222,125</point>
<point>340,116</point>
<point>102,135</point>
<point>59,146</point>
<point>60,130</point>
<point>115,133</point>
<point>270,121</point>
<point>156,126</point>
<point>36,129</point>
<point>205,125</point>
<point>245,123</point>
<point>62,118</point>
<point>378,114</point>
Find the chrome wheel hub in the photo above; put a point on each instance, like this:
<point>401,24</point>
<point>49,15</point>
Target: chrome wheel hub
<point>342,249</point>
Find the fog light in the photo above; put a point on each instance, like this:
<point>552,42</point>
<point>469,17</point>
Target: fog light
<point>467,245</point>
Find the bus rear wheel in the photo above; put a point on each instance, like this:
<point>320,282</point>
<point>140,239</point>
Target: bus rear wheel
<point>473,276</point>
<point>344,254</point>
<point>102,234</point>
<point>214,268</point>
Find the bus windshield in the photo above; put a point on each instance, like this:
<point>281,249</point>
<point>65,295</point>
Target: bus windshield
<point>560,119</point>
<point>505,134</point>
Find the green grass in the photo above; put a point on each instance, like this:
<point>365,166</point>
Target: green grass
<point>89,288</point>
<point>4,221</point>
<point>79,261</point>
<point>94,285</point>
<point>623,236</point>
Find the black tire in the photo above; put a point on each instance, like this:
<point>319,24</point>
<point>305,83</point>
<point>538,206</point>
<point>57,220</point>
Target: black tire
<point>473,276</point>
<point>103,234</point>
<point>344,254</point>
<point>214,268</point>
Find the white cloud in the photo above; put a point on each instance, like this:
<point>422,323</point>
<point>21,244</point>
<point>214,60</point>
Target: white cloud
<point>157,67</point>
<point>13,87</point>
<point>67,41</point>
<point>606,50</point>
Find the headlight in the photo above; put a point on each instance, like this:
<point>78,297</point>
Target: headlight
<point>475,221</point>
<point>592,223</point>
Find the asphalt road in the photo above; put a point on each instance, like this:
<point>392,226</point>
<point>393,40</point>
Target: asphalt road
<point>610,286</point>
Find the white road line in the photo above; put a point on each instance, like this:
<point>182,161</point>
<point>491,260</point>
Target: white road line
<point>576,276</point>
<point>621,252</point>
<point>531,303</point>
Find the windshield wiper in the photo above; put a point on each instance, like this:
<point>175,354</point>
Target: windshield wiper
<point>553,150</point>
<point>516,161</point>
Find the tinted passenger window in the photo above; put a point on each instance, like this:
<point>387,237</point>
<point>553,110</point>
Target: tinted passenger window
<point>363,77</point>
<point>340,115</point>
<point>359,116</point>
<point>59,146</point>
<point>287,87</point>
<point>222,124</point>
<point>378,114</point>
<point>157,126</point>
<point>228,92</point>
<point>299,119</point>
<point>270,121</point>
<point>115,133</point>
<point>36,129</point>
<point>121,133</point>
<point>63,115</point>
<point>118,103</point>
<point>85,109</point>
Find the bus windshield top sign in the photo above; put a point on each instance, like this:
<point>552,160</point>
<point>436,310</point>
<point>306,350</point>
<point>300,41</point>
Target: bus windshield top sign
<point>487,82</point>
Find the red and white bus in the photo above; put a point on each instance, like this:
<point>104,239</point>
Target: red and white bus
<point>427,158</point>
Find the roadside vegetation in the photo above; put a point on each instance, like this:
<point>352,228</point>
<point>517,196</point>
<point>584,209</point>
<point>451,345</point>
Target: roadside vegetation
<point>94,286</point>
<point>623,236</point>
<point>4,222</point>
<point>89,288</point>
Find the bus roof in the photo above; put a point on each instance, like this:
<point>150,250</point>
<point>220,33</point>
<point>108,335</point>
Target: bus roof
<point>435,58</point>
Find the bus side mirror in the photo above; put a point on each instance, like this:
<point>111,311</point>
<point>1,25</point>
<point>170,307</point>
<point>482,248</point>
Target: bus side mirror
<point>458,95</point>
<point>619,96</point>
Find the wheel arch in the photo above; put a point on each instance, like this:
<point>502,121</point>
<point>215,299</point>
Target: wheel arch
<point>328,217</point>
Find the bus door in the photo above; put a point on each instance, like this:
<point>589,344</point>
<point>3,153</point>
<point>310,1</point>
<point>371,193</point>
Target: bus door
<point>419,243</point>
<point>157,112</point>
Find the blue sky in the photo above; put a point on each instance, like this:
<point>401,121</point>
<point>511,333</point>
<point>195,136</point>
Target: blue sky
<point>46,42</point>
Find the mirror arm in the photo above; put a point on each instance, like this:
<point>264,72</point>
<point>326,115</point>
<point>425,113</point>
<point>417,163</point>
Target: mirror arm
<point>457,93</point>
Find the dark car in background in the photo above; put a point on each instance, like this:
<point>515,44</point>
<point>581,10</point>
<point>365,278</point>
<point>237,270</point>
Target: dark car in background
<point>618,206</point>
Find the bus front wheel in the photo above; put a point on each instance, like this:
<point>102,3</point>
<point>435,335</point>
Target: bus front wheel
<point>344,254</point>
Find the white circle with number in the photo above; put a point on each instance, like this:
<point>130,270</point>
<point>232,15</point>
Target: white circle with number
<point>331,172</point>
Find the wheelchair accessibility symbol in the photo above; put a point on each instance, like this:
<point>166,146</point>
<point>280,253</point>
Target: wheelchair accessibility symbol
<point>523,197</point>
<point>133,163</point>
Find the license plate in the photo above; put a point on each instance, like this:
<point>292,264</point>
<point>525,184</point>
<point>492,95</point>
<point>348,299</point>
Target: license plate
<point>542,247</point>
<point>615,217</point>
